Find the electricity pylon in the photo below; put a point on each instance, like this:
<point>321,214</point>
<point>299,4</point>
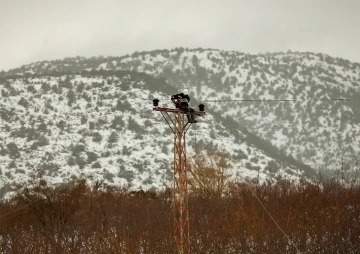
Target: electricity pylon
<point>179,126</point>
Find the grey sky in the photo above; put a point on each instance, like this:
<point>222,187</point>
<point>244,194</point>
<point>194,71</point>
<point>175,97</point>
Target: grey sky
<point>35,30</point>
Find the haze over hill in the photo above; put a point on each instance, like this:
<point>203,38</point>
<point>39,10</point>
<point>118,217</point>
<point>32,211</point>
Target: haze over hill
<point>92,116</point>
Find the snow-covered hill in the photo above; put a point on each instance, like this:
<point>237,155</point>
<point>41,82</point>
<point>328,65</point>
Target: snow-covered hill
<point>100,125</point>
<point>321,133</point>
<point>317,132</point>
<point>60,116</point>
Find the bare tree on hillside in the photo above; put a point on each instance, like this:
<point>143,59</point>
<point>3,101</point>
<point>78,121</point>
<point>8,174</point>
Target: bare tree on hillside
<point>208,174</point>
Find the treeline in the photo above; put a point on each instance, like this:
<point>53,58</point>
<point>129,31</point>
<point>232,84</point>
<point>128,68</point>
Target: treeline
<point>78,218</point>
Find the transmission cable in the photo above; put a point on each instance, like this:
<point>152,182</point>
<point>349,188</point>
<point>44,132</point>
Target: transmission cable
<point>284,100</point>
<point>21,207</point>
<point>272,218</point>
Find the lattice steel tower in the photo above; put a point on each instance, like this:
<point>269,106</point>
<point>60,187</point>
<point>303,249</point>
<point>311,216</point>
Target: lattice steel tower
<point>179,126</point>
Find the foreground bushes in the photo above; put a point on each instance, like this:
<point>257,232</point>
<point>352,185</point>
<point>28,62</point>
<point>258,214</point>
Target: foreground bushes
<point>76,218</point>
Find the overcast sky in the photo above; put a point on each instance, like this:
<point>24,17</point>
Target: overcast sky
<point>35,30</point>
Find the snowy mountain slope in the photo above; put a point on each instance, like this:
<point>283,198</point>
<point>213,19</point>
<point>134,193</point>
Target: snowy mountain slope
<point>316,132</point>
<point>101,125</point>
<point>319,133</point>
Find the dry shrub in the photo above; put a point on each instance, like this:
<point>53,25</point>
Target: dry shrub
<point>77,218</point>
<point>208,175</point>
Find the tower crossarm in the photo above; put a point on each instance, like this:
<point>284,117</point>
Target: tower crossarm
<point>173,110</point>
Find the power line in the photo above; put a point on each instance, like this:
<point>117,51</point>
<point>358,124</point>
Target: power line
<point>17,209</point>
<point>272,218</point>
<point>286,100</point>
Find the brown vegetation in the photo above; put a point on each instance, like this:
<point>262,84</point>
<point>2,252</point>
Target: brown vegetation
<point>76,218</point>
<point>208,175</point>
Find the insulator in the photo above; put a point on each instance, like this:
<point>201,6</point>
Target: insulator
<point>155,102</point>
<point>201,107</point>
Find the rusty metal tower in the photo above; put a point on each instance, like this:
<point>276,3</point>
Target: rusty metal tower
<point>178,123</point>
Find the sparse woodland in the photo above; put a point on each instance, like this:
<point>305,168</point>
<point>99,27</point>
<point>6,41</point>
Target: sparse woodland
<point>321,217</point>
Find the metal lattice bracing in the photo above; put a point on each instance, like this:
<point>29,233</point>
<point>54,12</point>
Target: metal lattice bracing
<point>181,213</point>
<point>179,127</point>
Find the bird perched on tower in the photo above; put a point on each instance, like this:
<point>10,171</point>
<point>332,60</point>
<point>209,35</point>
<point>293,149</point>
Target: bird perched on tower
<point>181,101</point>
